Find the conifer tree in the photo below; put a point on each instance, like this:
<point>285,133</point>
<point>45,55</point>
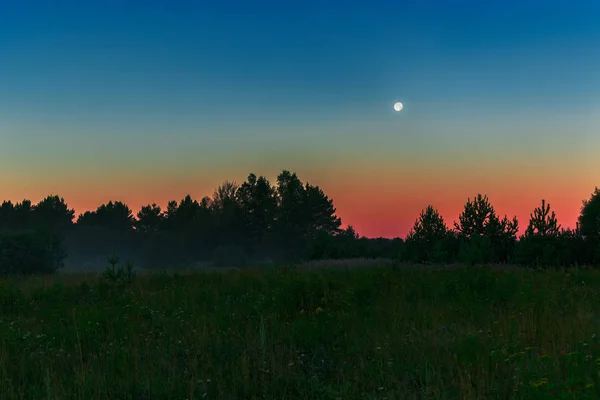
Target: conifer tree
<point>542,222</point>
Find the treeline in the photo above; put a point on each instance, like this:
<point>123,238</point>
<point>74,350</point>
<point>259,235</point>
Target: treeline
<point>258,222</point>
<point>254,222</point>
<point>481,236</point>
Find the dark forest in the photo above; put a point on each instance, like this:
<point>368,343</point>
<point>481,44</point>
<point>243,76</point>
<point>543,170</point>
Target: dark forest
<point>257,222</point>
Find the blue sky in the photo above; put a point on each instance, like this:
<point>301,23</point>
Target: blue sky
<point>253,59</point>
<point>261,86</point>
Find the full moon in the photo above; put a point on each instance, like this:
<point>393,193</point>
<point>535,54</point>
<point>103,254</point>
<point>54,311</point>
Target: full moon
<point>398,106</point>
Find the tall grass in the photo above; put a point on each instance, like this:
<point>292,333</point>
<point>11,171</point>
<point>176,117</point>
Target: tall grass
<point>357,333</point>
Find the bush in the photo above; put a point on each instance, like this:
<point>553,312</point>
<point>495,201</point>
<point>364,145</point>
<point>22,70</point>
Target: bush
<point>30,252</point>
<point>119,275</point>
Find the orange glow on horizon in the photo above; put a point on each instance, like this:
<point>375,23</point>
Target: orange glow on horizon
<point>375,209</point>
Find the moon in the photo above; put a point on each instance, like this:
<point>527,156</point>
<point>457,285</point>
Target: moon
<point>398,106</point>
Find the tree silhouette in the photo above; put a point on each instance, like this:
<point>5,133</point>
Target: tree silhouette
<point>107,230</point>
<point>302,213</point>
<point>53,214</point>
<point>19,216</point>
<point>542,243</point>
<point>344,244</point>
<point>228,214</point>
<point>114,216</point>
<point>320,212</point>
<point>258,201</point>
<point>429,227</point>
<point>191,225</point>
<point>589,219</point>
<point>183,217</point>
<point>505,228</point>
<point>484,236</point>
<point>542,223</point>
<point>348,233</point>
<point>150,219</point>
<point>291,220</point>
<point>225,195</point>
<point>24,250</point>
<point>476,217</point>
<point>572,250</point>
<point>30,252</point>
<point>7,215</point>
<point>589,224</point>
<point>426,241</point>
<point>479,218</point>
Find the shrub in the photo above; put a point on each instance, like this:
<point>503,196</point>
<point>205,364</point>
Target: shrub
<point>119,275</point>
<point>30,252</point>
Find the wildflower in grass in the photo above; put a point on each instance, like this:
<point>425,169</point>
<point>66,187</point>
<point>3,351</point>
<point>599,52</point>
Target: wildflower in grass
<point>515,355</point>
<point>539,382</point>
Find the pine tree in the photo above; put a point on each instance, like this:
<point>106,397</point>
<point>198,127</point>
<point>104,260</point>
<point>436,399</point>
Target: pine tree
<point>542,222</point>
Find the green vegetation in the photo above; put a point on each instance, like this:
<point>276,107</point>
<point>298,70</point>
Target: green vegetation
<point>287,333</point>
<point>385,330</point>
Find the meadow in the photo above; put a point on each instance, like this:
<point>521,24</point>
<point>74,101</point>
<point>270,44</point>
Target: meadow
<point>382,332</point>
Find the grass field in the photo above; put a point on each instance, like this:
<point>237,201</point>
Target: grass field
<point>358,333</point>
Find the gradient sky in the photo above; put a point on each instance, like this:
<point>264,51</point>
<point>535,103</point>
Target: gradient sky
<point>149,101</point>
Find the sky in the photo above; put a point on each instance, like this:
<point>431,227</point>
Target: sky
<point>145,102</point>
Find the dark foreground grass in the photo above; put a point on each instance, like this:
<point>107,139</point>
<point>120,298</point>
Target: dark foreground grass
<point>286,334</point>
